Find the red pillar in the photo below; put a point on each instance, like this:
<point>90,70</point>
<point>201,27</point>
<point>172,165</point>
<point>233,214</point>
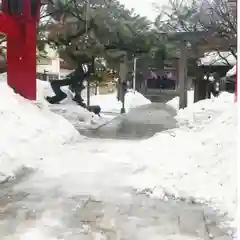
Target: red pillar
<point>29,57</point>
<point>15,63</point>
<point>21,48</point>
<point>21,62</point>
<point>9,26</point>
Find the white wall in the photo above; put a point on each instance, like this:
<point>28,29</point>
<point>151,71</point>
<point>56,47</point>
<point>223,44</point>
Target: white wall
<point>52,66</point>
<point>50,63</point>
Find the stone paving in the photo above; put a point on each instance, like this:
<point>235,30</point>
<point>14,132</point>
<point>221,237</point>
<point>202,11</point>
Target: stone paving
<point>133,216</point>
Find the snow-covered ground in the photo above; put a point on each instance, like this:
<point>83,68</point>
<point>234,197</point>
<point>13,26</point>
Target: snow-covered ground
<point>109,102</point>
<point>77,115</point>
<point>82,118</point>
<point>32,125</point>
<point>198,159</point>
<point>28,130</point>
<point>175,101</point>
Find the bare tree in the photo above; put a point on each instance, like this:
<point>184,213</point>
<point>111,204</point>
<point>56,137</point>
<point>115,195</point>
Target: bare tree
<point>215,17</point>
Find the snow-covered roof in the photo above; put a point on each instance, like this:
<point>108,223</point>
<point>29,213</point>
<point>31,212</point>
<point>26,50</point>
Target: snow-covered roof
<point>232,71</point>
<point>213,58</point>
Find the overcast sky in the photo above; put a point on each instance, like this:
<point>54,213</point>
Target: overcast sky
<point>143,7</point>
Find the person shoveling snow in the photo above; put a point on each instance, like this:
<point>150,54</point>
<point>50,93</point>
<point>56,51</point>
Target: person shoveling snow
<point>75,82</point>
<point>82,118</point>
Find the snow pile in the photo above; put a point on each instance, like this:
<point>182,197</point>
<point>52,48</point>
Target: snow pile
<point>28,130</point>
<point>68,108</point>
<point>135,99</point>
<point>175,101</point>
<point>197,115</point>
<point>109,102</point>
<point>197,162</point>
<point>80,117</point>
<point>77,115</point>
<point>232,71</point>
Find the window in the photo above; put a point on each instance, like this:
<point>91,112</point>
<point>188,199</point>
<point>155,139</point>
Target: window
<point>47,77</point>
<point>52,77</point>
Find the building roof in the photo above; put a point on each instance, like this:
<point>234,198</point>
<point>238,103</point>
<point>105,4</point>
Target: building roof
<point>214,59</point>
<point>232,71</point>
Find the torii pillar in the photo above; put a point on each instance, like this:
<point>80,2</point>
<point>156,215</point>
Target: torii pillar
<point>18,21</point>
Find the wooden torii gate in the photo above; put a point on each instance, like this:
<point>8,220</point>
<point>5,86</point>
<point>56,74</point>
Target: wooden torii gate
<point>18,21</point>
<point>204,42</point>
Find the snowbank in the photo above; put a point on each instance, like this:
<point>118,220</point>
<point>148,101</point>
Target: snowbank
<point>175,101</point>
<point>77,115</point>
<point>82,118</point>
<point>68,108</point>
<point>28,130</point>
<point>109,102</point>
<point>198,159</point>
<point>232,71</point>
<point>197,115</point>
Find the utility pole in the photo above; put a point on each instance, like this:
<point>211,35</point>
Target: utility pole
<point>123,78</point>
<point>134,73</point>
<point>183,75</point>
<point>86,36</point>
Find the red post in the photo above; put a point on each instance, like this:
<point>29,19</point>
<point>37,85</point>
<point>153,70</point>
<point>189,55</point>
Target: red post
<point>21,47</point>
<point>9,26</point>
<point>15,63</point>
<point>29,70</point>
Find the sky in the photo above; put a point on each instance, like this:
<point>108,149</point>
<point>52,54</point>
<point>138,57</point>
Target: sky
<point>143,7</point>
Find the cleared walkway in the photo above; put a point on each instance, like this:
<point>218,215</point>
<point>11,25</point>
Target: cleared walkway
<point>30,211</point>
<point>139,123</point>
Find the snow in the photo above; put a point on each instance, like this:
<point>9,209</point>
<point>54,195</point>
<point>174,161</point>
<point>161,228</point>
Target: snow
<point>232,71</point>
<point>197,115</point>
<point>109,102</point>
<point>77,115</point>
<point>32,125</point>
<point>197,159</point>
<point>82,118</point>
<point>28,129</point>
<point>213,58</point>
<point>175,101</point>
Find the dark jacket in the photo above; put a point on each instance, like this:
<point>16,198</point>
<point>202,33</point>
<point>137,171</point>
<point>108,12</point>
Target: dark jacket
<point>77,76</point>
